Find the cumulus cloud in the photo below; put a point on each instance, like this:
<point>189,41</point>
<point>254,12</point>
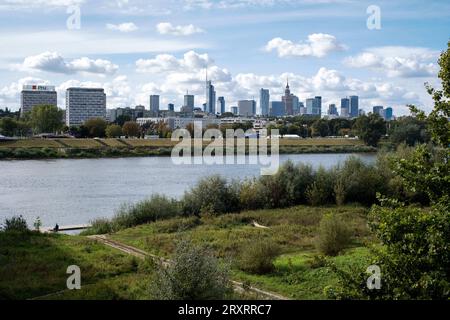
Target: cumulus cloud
<point>318,45</point>
<point>123,27</point>
<point>54,62</point>
<point>403,62</point>
<point>186,30</point>
<point>191,61</point>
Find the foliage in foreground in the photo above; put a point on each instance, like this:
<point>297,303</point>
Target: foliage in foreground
<point>334,235</point>
<point>258,257</point>
<point>415,258</point>
<point>194,274</point>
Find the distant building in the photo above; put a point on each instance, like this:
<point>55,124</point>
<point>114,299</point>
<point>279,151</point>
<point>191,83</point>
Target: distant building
<point>288,100</point>
<point>221,104</point>
<point>378,110</point>
<point>332,110</point>
<point>210,98</point>
<point>154,104</point>
<point>83,104</point>
<point>277,109</point>
<point>388,114</point>
<point>189,103</point>
<point>345,108</point>
<point>171,107</point>
<point>34,95</point>
<point>314,106</point>
<point>264,102</point>
<point>247,108</point>
<point>235,110</point>
<point>354,106</point>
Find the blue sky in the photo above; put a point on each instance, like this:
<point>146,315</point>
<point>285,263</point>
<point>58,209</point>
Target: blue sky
<point>134,48</point>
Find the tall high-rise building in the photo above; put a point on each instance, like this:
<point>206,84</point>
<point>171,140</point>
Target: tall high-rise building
<point>210,98</point>
<point>378,110</point>
<point>189,103</point>
<point>277,109</point>
<point>154,104</point>
<point>296,105</point>
<point>83,104</point>
<point>354,106</point>
<point>388,114</point>
<point>332,110</point>
<point>264,102</point>
<point>171,107</point>
<point>235,110</point>
<point>247,108</point>
<point>288,101</point>
<point>345,107</point>
<point>221,103</point>
<point>309,106</point>
<point>34,95</point>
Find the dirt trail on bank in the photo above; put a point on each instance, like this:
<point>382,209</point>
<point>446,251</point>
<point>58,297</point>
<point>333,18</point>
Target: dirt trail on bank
<point>238,286</point>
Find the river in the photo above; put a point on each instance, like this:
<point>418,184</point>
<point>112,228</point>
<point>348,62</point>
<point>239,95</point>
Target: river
<point>71,192</point>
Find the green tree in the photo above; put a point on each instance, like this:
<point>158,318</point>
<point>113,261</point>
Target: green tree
<point>96,127</point>
<point>194,274</point>
<point>8,126</point>
<point>46,119</point>
<point>131,129</point>
<point>370,129</point>
<point>320,128</point>
<point>113,131</point>
<point>415,257</point>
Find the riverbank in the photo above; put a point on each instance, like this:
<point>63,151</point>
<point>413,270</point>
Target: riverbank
<point>34,265</point>
<point>123,148</point>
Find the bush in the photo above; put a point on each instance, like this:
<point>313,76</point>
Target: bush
<point>15,224</point>
<point>321,191</point>
<point>257,257</point>
<point>212,195</point>
<point>334,235</point>
<point>156,208</point>
<point>194,274</point>
<point>100,226</point>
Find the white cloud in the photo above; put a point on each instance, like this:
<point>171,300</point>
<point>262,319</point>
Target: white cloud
<point>318,45</point>
<point>397,61</point>
<point>54,62</point>
<point>187,30</point>
<point>123,27</point>
<point>166,62</point>
<point>26,4</point>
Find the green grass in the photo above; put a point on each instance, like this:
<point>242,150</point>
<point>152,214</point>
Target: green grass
<point>293,230</point>
<point>296,277</point>
<point>35,265</point>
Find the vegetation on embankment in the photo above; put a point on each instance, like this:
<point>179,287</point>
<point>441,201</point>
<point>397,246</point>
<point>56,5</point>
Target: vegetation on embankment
<point>114,148</point>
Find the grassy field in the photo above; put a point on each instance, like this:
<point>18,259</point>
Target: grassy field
<point>293,230</point>
<point>92,143</point>
<point>35,265</point>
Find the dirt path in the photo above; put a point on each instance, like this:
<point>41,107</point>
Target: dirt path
<point>238,286</point>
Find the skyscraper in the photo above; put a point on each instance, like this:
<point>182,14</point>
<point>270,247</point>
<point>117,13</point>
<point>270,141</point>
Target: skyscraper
<point>264,102</point>
<point>33,95</point>
<point>332,110</point>
<point>210,98</point>
<point>189,103</point>
<point>378,110</point>
<point>277,109</point>
<point>354,106</point>
<point>345,108</point>
<point>154,104</point>
<point>288,101</point>
<point>388,114</point>
<point>171,107</point>
<point>221,103</point>
<point>247,108</point>
<point>83,104</point>
<point>309,106</point>
<point>314,106</point>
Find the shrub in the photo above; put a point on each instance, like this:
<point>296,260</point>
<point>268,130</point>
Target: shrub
<point>156,208</point>
<point>334,235</point>
<point>194,274</point>
<point>340,192</point>
<point>257,257</point>
<point>321,191</point>
<point>99,226</point>
<point>15,224</point>
<point>212,195</point>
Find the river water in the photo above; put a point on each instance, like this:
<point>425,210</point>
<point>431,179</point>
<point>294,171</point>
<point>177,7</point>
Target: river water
<point>71,192</point>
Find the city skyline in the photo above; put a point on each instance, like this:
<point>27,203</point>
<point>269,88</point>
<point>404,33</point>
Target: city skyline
<point>325,49</point>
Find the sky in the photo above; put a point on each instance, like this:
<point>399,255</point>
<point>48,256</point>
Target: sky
<point>135,48</point>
